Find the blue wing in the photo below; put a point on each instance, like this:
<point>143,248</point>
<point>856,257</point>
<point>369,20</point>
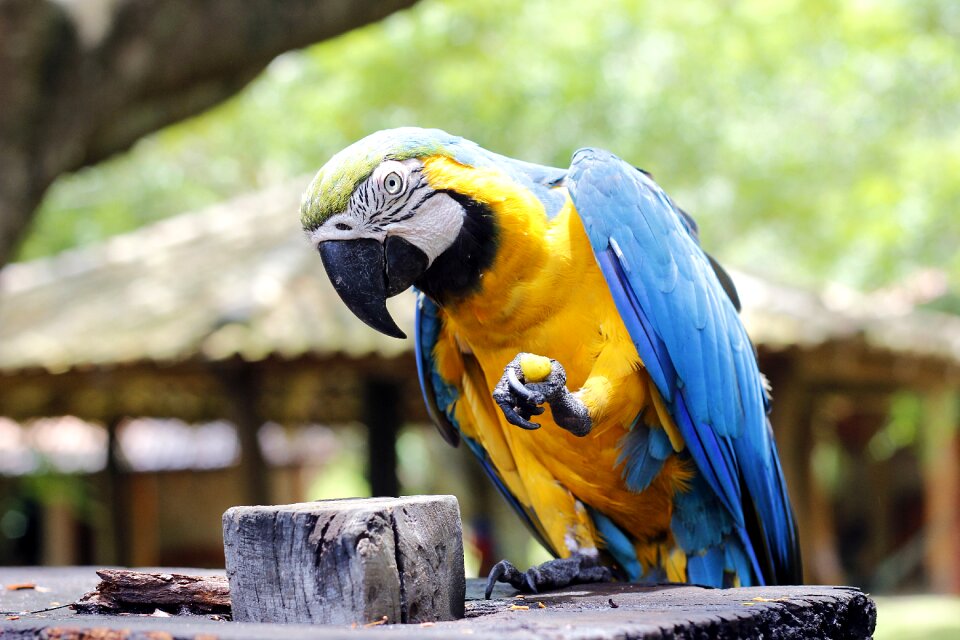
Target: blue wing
<point>687,332</point>
<point>438,395</point>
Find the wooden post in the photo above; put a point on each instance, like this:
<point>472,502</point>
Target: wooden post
<point>144,544</point>
<point>242,386</point>
<point>792,419</point>
<point>346,561</point>
<point>59,542</point>
<point>118,498</point>
<point>941,477</point>
<point>382,410</point>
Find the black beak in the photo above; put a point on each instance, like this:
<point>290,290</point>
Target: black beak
<point>365,274</point>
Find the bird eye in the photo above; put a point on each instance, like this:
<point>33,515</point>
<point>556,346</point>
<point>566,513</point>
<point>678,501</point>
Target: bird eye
<point>392,183</point>
<point>342,226</point>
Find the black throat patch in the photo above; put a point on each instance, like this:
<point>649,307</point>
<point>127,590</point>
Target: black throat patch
<point>456,272</point>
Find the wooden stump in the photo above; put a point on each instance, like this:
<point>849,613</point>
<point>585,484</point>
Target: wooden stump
<point>346,561</point>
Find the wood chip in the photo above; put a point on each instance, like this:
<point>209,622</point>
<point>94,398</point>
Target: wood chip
<point>125,591</point>
<point>13,617</point>
<point>541,605</point>
<point>375,623</point>
<point>21,586</point>
<point>427,624</point>
<point>521,607</point>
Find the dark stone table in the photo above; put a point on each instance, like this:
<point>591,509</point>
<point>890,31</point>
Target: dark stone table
<point>621,611</point>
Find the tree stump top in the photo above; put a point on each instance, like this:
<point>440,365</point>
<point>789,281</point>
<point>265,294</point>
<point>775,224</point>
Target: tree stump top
<point>593,611</point>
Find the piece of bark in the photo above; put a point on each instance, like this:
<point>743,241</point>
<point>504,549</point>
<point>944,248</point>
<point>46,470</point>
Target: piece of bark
<point>121,590</point>
<point>346,561</point>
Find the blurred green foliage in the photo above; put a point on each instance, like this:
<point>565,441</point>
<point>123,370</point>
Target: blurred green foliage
<point>918,618</point>
<point>813,139</point>
<point>343,476</point>
<point>903,425</point>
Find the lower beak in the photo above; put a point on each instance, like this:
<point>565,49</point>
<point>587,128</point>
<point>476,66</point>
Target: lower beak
<point>365,273</point>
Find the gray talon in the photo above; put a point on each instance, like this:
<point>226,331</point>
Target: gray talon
<point>553,574</point>
<point>519,401</point>
<point>520,389</point>
<point>503,571</point>
<point>531,585</point>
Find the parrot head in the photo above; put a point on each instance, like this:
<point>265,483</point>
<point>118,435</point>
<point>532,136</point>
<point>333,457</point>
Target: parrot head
<point>380,226</point>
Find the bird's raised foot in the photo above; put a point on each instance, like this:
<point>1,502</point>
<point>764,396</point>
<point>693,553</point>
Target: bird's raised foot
<point>528,381</point>
<point>553,574</point>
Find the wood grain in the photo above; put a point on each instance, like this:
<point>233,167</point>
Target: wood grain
<point>346,561</point>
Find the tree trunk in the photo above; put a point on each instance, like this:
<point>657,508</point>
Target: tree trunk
<point>82,80</point>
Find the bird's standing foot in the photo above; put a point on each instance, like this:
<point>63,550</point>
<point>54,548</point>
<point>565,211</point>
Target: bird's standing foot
<point>553,574</point>
<point>530,380</point>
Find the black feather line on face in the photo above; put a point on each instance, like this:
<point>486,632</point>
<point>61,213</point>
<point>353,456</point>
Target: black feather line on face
<point>389,214</point>
<point>393,213</point>
<point>384,206</point>
<point>456,272</point>
<point>413,210</point>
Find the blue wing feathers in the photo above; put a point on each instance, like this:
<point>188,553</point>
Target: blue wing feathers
<point>660,445</point>
<point>651,347</point>
<point>642,454</point>
<point>659,365</point>
<point>438,396</point>
<point>618,545</point>
<point>707,567</point>
<point>684,324</point>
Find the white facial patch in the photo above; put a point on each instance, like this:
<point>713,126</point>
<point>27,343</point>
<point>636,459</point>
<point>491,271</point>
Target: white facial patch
<point>348,225</point>
<point>433,228</point>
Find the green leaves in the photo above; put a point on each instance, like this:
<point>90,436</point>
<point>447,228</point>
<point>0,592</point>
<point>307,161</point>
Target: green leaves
<point>811,140</point>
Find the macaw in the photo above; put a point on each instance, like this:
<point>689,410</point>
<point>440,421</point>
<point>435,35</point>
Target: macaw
<point>581,296</point>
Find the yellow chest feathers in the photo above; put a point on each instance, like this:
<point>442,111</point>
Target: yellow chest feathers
<point>545,294</point>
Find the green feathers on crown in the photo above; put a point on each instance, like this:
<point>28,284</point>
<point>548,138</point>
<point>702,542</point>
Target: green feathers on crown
<point>336,181</point>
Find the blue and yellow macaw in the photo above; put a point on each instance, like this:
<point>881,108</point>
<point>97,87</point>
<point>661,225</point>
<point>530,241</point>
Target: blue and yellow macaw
<point>660,465</point>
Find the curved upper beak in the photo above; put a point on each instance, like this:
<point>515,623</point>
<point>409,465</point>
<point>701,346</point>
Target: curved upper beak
<point>365,273</point>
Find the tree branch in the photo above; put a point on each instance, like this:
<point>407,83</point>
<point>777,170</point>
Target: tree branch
<point>82,80</point>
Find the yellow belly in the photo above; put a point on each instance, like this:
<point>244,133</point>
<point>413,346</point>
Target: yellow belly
<point>575,322</point>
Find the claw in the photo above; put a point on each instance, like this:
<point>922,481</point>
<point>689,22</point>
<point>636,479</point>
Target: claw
<point>528,579</point>
<point>553,574</point>
<point>534,411</point>
<point>492,579</point>
<point>519,401</point>
<point>515,418</point>
<point>521,389</point>
<point>503,571</point>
